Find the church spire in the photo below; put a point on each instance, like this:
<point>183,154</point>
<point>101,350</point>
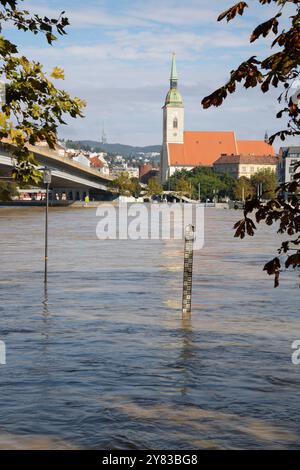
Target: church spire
<point>174,76</point>
<point>266,137</point>
<point>174,97</point>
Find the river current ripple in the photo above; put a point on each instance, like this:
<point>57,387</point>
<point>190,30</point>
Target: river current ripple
<point>103,360</point>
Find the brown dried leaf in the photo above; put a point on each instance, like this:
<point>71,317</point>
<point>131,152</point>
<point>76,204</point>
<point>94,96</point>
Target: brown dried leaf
<point>229,14</point>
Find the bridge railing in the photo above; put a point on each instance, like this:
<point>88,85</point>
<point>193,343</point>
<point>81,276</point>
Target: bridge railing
<point>49,153</point>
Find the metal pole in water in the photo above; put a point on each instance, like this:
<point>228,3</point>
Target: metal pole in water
<point>189,237</point>
<point>47,181</point>
<point>46,235</point>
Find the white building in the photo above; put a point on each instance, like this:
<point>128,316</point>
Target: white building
<point>288,158</point>
<point>81,158</point>
<point>99,165</point>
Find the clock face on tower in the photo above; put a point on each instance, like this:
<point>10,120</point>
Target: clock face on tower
<point>175,134</point>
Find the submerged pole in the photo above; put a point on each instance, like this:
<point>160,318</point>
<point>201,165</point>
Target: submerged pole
<point>46,235</point>
<point>47,181</point>
<point>189,237</point>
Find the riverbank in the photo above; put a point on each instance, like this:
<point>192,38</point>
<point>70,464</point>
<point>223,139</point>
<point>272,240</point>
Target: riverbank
<point>95,204</point>
<point>34,203</point>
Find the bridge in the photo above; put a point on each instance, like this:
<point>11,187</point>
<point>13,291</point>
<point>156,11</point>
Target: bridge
<point>69,177</point>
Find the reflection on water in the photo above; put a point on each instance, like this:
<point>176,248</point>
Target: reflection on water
<point>103,359</point>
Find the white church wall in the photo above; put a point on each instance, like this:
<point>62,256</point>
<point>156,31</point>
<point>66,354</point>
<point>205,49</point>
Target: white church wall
<point>174,134</point>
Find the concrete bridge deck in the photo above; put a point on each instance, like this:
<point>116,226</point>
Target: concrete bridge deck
<point>68,176</point>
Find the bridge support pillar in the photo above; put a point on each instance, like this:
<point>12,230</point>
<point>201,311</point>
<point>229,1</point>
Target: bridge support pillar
<point>71,195</point>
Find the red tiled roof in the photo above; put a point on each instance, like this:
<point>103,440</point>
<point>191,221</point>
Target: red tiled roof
<point>96,163</point>
<point>254,147</point>
<point>246,159</point>
<point>202,148</point>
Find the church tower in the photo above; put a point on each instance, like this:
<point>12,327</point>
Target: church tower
<point>173,120</point>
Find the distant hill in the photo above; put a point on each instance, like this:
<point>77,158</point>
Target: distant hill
<point>126,150</point>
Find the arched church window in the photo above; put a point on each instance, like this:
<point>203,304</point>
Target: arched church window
<point>175,123</point>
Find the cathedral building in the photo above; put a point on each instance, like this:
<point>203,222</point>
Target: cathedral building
<point>186,149</point>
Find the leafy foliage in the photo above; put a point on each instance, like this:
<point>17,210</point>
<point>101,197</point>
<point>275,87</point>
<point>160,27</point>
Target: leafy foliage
<point>154,188</point>
<point>34,107</point>
<point>183,185</point>
<point>126,186</point>
<point>135,187</point>
<point>278,69</point>
<point>243,189</point>
<point>268,180</point>
<point>211,184</point>
<point>284,212</point>
<point>7,190</point>
<point>229,14</point>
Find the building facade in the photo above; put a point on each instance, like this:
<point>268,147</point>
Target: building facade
<point>184,149</point>
<point>244,165</point>
<point>288,158</point>
<point>147,171</point>
<point>99,165</point>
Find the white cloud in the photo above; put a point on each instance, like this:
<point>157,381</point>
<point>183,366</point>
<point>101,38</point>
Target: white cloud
<point>139,14</point>
<point>118,60</point>
<point>124,45</point>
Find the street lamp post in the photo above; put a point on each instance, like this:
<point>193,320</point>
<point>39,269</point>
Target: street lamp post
<point>259,190</point>
<point>47,181</point>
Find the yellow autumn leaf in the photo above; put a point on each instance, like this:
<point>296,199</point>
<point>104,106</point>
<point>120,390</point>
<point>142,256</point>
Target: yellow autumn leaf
<point>36,111</point>
<point>3,120</point>
<point>17,136</point>
<point>58,73</point>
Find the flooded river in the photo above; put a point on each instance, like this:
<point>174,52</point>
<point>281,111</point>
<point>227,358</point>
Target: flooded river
<point>103,360</point>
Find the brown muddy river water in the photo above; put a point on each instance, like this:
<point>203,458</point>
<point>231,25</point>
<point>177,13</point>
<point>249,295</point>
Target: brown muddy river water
<point>103,360</point>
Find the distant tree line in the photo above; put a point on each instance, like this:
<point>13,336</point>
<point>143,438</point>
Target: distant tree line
<point>212,185</point>
<point>8,190</point>
<point>124,185</point>
<point>221,185</point>
<point>73,144</point>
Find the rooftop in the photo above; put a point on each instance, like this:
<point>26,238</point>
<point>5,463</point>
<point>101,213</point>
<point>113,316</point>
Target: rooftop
<point>204,148</point>
<point>246,159</point>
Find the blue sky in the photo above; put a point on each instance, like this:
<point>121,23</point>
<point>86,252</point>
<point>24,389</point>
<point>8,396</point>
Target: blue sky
<point>117,56</point>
